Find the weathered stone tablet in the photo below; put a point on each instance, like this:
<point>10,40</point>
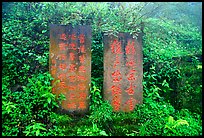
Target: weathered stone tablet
<point>70,62</point>
<point>123,72</point>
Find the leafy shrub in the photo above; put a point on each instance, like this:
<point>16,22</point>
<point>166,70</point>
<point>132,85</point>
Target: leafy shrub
<point>188,124</point>
<point>29,111</point>
<point>91,131</point>
<point>101,118</point>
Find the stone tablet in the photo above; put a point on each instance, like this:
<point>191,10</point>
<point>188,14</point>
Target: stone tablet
<point>123,72</point>
<point>70,62</point>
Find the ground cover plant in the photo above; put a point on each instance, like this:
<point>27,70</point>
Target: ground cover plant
<point>172,65</point>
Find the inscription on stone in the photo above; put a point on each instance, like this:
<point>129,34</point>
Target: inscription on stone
<point>70,62</point>
<point>123,72</point>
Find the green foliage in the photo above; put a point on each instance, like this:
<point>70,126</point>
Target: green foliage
<point>186,125</point>
<point>189,87</point>
<point>164,40</point>
<point>95,93</point>
<point>29,110</point>
<point>91,131</point>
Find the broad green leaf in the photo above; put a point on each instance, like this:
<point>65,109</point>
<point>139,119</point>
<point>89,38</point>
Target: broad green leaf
<point>43,31</point>
<point>37,132</point>
<point>49,100</point>
<point>171,120</point>
<point>103,133</point>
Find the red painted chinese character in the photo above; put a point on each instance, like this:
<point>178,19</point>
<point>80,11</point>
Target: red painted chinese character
<point>72,36</point>
<point>53,89</point>
<point>81,38</point>
<point>62,77</point>
<point>53,70</point>
<point>82,95</point>
<point>130,63</point>
<point>116,90</point>
<point>116,47</point>
<point>62,66</point>
<point>62,46</point>
<point>81,78</point>
<point>71,88</point>
<point>131,75</point>
<point>82,49</point>
<point>71,105</point>
<point>117,61</point>
<point>53,67</point>
<point>82,69</point>
<point>82,105</point>
<point>62,57</point>
<point>71,56</point>
<point>131,102</point>
<point>116,76</point>
<point>130,49</point>
<point>130,90</point>
<point>82,87</point>
<point>82,58</point>
<point>63,36</point>
<point>72,96</point>
<point>72,46</point>
<point>72,67</point>
<point>62,84</point>
<point>116,103</point>
<point>72,78</point>
<point>54,61</point>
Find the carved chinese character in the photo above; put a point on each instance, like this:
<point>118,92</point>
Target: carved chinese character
<point>81,38</point>
<point>117,61</point>
<point>82,86</point>
<point>71,56</point>
<point>82,95</point>
<point>130,63</point>
<point>62,84</point>
<point>62,46</point>
<point>53,89</point>
<point>72,78</point>
<point>72,46</point>
<point>72,67</point>
<point>62,77</point>
<point>116,89</point>
<point>116,76</point>
<point>71,106</point>
<point>82,69</point>
<point>130,48</point>
<point>131,75</point>
<point>54,61</point>
<point>71,88</point>
<point>62,57</point>
<point>130,90</point>
<point>116,47</point>
<point>53,72</point>
<point>62,66</point>
<point>82,49</point>
<point>81,58</point>
<point>72,96</point>
<point>116,103</point>
<point>63,36</point>
<point>72,36</point>
<point>82,105</point>
<point>131,102</point>
<point>81,78</point>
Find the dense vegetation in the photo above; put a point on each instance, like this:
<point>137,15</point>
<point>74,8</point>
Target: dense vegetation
<point>172,81</point>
